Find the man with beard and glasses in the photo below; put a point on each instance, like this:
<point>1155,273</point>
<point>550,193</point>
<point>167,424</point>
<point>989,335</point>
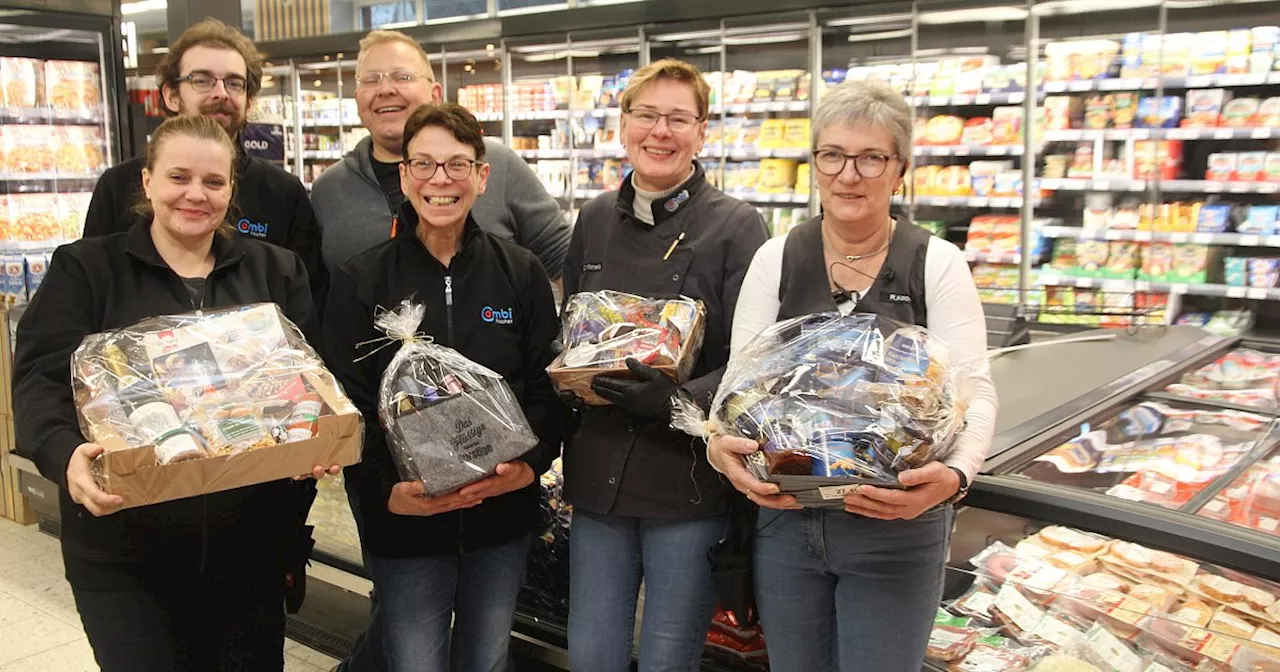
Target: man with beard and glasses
<point>215,71</point>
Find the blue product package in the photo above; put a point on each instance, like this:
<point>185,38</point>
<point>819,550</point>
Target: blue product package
<point>1233,271</point>
<point>1214,218</point>
<point>1261,220</point>
<point>13,285</point>
<point>36,266</point>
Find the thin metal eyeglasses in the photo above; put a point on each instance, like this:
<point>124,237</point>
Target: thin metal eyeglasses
<point>397,78</point>
<point>870,165</point>
<point>454,169</point>
<point>204,82</point>
<point>678,122</point>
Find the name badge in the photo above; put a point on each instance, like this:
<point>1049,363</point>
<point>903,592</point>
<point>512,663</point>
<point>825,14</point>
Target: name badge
<point>592,267</point>
<point>893,297</point>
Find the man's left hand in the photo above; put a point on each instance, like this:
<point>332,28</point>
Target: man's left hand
<point>647,398</point>
<point>927,487</point>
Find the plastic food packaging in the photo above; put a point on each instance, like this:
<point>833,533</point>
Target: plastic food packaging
<point>601,330</point>
<point>449,420</point>
<point>835,400</point>
<point>200,402</point>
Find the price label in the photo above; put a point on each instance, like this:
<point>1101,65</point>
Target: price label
<point>1250,241</point>
<point>998,151</point>
<point>1049,280</point>
<point>1273,241</point>
<point>1203,238</point>
<point>1118,656</point>
<point>1257,293</point>
<point>1179,237</point>
<point>1260,133</point>
<point>1111,234</point>
<point>938,101</point>
<point>961,150</point>
<point>1017,97</point>
<point>1201,81</point>
<point>1142,236</point>
<point>1212,187</point>
<point>737,109</point>
<point>1142,286</point>
<point>1055,86</point>
<point>1183,134</point>
<point>1237,292</point>
<point>1238,188</point>
<point>1268,188</point>
<point>961,100</point>
<point>1085,283</point>
<point>1102,185</point>
<point>979,202</point>
<point>982,99</point>
<point>1179,289</point>
<point>1079,86</point>
<point>1001,202</point>
<point>1018,608</point>
<point>1224,134</point>
<point>1137,134</point>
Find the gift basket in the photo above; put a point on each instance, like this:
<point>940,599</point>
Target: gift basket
<point>200,402</point>
<point>449,421</point>
<point>601,330</point>
<point>835,401</point>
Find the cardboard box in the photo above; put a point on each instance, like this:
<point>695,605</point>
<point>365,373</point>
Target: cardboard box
<point>133,473</point>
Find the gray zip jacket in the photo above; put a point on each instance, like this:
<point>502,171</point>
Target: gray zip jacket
<point>354,215</point>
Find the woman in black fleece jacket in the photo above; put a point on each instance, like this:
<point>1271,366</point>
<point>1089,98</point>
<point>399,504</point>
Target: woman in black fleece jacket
<point>191,584</point>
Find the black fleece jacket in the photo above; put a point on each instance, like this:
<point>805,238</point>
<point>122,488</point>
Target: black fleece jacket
<point>487,277</point>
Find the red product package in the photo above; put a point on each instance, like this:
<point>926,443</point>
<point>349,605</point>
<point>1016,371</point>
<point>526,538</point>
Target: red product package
<point>753,648</point>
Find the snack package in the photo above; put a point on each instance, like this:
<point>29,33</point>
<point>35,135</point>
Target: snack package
<point>1162,112</point>
<point>72,86</point>
<point>1204,107</point>
<point>1123,259</point>
<point>1235,271</point>
<point>1214,218</point>
<point>835,400</point>
<point>1221,167</point>
<point>943,130</point>
<point>449,420</point>
<point>1124,109</point>
<point>201,402</point>
<point>1269,112</point>
<point>20,78</point>
<point>33,218</point>
<point>1241,112</point>
<point>1092,256</point>
<point>28,149</point>
<point>1271,170</point>
<point>1251,166</point>
<point>72,209</point>
<point>1191,263</point>
<point>78,150</point>
<point>1098,111</point>
<point>601,330</point>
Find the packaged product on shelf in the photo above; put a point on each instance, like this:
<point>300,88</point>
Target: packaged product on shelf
<point>749,174</point>
<point>982,176</point>
<point>1235,271</point>
<point>1214,218</point>
<point>37,264</point>
<point>1264,272</point>
<point>1123,259</point>
<point>1062,112</point>
<point>1251,166</point>
<point>72,86</point>
<point>795,133</point>
<point>1098,111</point>
<point>603,329</point>
<point>733,131</point>
<point>450,421</point>
<point>777,175</point>
<point>28,149</point>
<point>1064,255</point>
<point>1238,51</point>
<point>1006,126</point>
<point>977,131</point>
<point>1157,159</point>
<point>1125,217</point>
<point>979,234</point>
<point>1079,60</point>
<point>1162,112</point>
<point>1191,263</point>
<point>1263,40</point>
<point>78,150</point>
<point>954,181</point>
<point>1261,219</point>
<point>1221,166</point>
<point>1240,112</point>
<point>1204,107</point>
<point>771,134</point>
<point>751,132</point>
<point>1055,166</point>
<point>803,177</point>
<point>1081,161</point>
<point>1271,171</point>
<point>834,400</point>
<point>924,179</point>
<point>715,134</point>
<point>1124,109</point>
<point>1008,183</point>
<point>201,402</point>
<point>72,208</point>
<point>1092,255</point>
<point>943,129</point>
<point>13,286</point>
<point>1209,53</point>
<point>1269,113</point>
<point>33,218</point>
<point>20,78</point>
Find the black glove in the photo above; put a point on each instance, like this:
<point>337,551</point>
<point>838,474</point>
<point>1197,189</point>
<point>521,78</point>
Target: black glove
<point>648,398</point>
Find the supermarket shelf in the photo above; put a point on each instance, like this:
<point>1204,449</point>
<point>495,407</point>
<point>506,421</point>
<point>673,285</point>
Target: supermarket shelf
<point>599,112</point>
<point>489,116</point>
<point>1187,289</point>
<point>1002,98</point>
<point>535,115</point>
<point>1180,186</point>
<point>49,177</point>
<point>30,247</point>
<point>993,257</point>
<point>353,122</point>
<point>1085,134</point>
<point>760,197</point>
<point>966,201</point>
<point>968,150</point>
<point>317,154</point>
<point>536,154</point>
<point>1229,239</point>
<point>769,106</point>
<point>44,114</point>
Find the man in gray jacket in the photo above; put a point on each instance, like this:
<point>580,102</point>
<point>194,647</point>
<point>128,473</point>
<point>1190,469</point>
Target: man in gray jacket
<point>354,199</point>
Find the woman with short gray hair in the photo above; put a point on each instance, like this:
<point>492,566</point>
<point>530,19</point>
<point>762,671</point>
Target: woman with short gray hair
<point>857,589</point>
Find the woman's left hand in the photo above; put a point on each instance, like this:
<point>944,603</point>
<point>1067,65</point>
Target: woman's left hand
<point>509,477</point>
<point>927,487</point>
<point>318,472</point>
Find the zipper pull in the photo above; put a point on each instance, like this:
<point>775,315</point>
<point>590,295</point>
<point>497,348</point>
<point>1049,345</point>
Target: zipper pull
<point>448,290</point>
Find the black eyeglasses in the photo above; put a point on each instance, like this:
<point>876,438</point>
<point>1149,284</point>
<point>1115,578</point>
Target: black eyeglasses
<point>204,82</point>
<point>455,169</point>
<point>869,165</point>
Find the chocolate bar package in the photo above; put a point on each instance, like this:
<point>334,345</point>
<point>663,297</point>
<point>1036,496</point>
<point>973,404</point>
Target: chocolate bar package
<point>450,421</point>
<point>835,400</point>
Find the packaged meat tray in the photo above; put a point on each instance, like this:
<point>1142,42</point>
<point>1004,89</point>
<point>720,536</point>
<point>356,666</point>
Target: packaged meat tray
<point>1244,376</point>
<point>196,403</point>
<point>601,330</point>
<point>834,400</point>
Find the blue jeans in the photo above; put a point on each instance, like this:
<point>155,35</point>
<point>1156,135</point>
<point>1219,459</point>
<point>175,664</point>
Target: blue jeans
<point>838,591</point>
<point>418,599</point>
<point>608,556</point>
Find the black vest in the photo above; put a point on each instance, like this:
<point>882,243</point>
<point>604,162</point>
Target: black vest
<point>897,293</point>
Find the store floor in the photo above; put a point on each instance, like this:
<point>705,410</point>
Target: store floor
<point>39,628</point>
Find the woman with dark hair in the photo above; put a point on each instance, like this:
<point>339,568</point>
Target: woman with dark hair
<point>446,569</point>
<point>196,583</point>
